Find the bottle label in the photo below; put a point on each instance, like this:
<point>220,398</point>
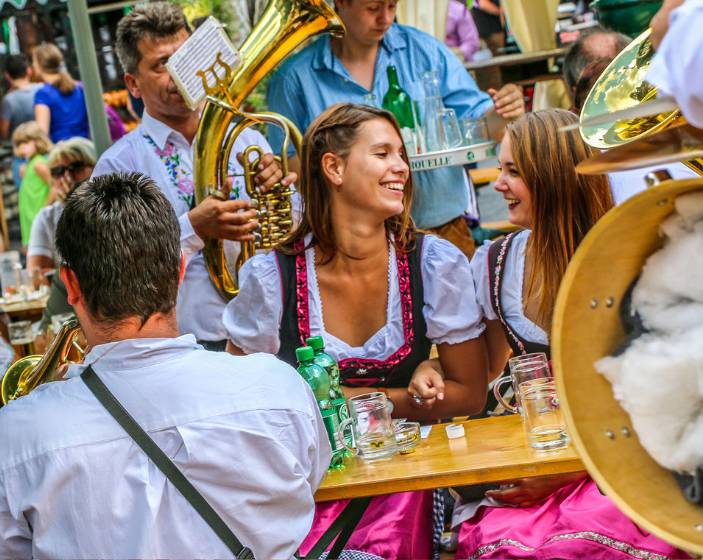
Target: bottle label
<point>329,418</point>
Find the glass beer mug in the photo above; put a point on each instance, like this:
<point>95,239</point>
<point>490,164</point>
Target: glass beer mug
<point>370,421</point>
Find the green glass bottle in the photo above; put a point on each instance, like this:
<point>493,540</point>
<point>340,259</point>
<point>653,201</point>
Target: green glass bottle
<point>316,376</point>
<point>398,102</point>
<point>326,361</point>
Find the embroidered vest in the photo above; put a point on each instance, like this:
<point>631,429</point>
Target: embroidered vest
<point>397,369</point>
<point>497,254</point>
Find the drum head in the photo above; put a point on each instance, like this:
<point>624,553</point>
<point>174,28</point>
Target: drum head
<point>587,327</point>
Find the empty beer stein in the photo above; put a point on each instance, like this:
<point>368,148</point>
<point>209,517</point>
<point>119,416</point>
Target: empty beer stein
<point>370,420</point>
<point>527,368</point>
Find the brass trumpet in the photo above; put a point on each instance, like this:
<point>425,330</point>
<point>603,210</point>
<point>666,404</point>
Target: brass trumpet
<point>283,27</point>
<point>31,371</point>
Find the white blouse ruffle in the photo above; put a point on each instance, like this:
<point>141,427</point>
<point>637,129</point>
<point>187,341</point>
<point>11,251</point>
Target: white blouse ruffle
<point>510,291</point>
<point>452,315</point>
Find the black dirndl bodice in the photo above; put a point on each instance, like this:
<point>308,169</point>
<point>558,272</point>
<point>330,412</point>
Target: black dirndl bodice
<point>397,369</point>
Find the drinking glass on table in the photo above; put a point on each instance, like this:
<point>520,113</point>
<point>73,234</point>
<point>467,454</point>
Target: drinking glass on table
<point>527,368</point>
<point>21,337</point>
<point>370,420</point>
<point>544,422</point>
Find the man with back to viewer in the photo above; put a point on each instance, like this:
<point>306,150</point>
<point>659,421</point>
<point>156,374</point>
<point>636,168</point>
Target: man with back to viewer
<point>345,70</point>
<point>245,431</point>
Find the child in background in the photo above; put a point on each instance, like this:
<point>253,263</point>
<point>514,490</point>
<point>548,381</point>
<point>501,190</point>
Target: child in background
<point>32,143</point>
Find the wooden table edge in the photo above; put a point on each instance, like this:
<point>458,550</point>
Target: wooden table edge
<point>443,480</point>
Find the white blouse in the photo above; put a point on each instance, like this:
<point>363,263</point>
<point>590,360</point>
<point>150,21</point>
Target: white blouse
<point>452,315</point>
<point>510,291</point>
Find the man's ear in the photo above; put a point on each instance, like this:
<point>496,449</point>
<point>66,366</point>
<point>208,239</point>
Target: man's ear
<point>73,289</point>
<point>182,271</point>
<point>132,85</point>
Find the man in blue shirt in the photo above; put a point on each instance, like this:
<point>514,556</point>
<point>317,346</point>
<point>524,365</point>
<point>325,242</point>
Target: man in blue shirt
<point>345,70</point>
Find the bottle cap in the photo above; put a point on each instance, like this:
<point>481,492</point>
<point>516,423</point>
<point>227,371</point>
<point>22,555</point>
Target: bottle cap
<point>455,431</point>
<point>315,342</point>
<point>304,354</point>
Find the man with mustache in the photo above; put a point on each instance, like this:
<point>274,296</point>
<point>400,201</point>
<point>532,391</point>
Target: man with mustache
<point>161,147</point>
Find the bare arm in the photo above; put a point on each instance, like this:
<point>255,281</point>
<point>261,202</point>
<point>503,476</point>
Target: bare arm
<point>454,385</point>
<point>40,263</point>
<point>42,114</point>
<point>498,349</point>
<point>42,170</point>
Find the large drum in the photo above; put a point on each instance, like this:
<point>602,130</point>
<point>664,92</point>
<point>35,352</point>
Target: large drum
<point>587,327</point>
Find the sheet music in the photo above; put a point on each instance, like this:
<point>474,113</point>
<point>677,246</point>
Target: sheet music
<point>199,53</point>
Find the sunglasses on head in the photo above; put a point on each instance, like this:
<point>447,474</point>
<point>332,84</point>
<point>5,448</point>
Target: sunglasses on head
<point>72,168</point>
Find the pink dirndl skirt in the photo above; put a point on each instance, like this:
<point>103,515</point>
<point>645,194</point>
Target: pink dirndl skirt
<point>575,522</point>
<point>395,526</point>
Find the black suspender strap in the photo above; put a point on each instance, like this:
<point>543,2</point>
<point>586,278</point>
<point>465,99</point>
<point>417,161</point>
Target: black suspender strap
<point>165,465</point>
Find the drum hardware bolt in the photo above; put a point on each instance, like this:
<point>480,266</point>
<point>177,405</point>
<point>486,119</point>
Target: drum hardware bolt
<point>625,431</point>
<point>663,202</point>
<point>610,434</point>
<point>610,302</point>
<point>594,303</point>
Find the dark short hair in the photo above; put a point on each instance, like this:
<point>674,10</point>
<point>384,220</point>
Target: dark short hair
<point>580,54</point>
<point>120,236</point>
<point>155,20</point>
<point>16,66</point>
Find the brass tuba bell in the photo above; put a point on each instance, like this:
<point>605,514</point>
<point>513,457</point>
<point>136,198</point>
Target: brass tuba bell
<point>622,85</point>
<point>283,27</point>
<point>31,371</point>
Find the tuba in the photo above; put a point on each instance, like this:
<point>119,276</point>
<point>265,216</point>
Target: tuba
<point>622,86</point>
<point>284,26</point>
<point>27,373</point>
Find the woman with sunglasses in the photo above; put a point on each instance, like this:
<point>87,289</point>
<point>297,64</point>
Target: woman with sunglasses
<point>70,162</point>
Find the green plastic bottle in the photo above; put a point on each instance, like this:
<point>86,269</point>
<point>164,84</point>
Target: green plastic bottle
<point>316,376</point>
<point>323,359</point>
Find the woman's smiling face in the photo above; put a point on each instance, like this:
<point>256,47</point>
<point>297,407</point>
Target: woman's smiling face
<point>513,188</point>
<point>375,173</point>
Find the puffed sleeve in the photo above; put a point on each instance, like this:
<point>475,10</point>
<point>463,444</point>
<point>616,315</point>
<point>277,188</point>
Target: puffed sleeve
<point>451,312</point>
<point>252,319</point>
<point>479,269</point>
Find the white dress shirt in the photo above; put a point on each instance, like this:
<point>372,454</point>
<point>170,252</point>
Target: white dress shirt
<point>510,290</point>
<point>245,431</point>
<point>253,318</point>
<point>624,184</point>
<point>200,306</point>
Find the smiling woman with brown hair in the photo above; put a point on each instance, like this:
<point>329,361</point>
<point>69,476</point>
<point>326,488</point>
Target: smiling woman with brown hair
<point>517,280</point>
<point>380,294</point>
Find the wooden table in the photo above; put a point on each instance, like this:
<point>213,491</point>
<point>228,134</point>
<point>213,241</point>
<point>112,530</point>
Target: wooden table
<point>517,59</point>
<point>521,68</point>
<point>492,450</point>
<point>20,310</point>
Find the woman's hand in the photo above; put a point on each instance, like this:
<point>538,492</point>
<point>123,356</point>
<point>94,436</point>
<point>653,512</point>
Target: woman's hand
<point>426,386</point>
<point>526,492</point>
